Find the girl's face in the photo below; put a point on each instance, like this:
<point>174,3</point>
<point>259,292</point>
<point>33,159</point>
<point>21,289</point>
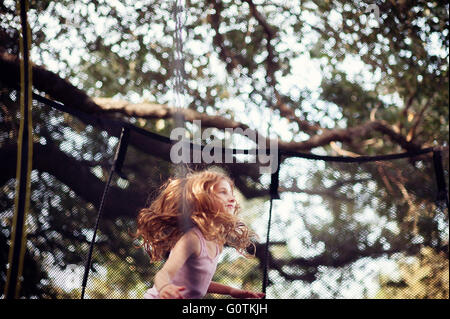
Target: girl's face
<point>225,193</point>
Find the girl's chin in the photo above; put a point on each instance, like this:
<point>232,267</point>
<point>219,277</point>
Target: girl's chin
<point>231,211</point>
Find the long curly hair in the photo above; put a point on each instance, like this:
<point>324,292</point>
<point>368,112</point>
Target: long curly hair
<point>183,203</point>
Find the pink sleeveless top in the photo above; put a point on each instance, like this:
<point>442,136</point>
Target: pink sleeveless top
<point>196,273</point>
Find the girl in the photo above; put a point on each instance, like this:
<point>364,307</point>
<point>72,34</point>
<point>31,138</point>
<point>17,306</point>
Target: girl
<point>204,204</point>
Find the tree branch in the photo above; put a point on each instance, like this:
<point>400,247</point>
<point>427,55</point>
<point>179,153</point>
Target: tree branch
<point>69,171</point>
<point>417,119</point>
<point>63,91</point>
<point>46,81</point>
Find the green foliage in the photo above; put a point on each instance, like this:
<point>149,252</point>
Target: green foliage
<point>426,277</point>
<point>240,272</point>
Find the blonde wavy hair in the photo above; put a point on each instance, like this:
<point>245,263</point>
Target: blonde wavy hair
<point>186,202</point>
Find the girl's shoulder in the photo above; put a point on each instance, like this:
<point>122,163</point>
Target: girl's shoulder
<point>192,239</point>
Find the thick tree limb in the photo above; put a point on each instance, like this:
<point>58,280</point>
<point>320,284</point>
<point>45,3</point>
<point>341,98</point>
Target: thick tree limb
<point>46,81</point>
<point>63,91</point>
<point>69,171</point>
<point>163,111</point>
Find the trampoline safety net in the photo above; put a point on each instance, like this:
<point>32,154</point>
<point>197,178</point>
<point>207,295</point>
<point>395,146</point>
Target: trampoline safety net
<point>376,229</point>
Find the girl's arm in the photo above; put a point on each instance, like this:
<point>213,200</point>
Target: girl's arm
<point>185,247</point>
<point>216,288</point>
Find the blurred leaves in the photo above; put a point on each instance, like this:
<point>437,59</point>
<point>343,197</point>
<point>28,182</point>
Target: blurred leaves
<point>427,277</point>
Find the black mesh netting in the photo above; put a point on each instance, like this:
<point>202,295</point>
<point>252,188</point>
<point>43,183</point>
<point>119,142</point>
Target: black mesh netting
<point>339,230</point>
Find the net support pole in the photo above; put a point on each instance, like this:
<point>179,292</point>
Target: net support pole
<point>116,167</point>
<point>274,183</point>
<point>440,177</point>
<point>24,164</point>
